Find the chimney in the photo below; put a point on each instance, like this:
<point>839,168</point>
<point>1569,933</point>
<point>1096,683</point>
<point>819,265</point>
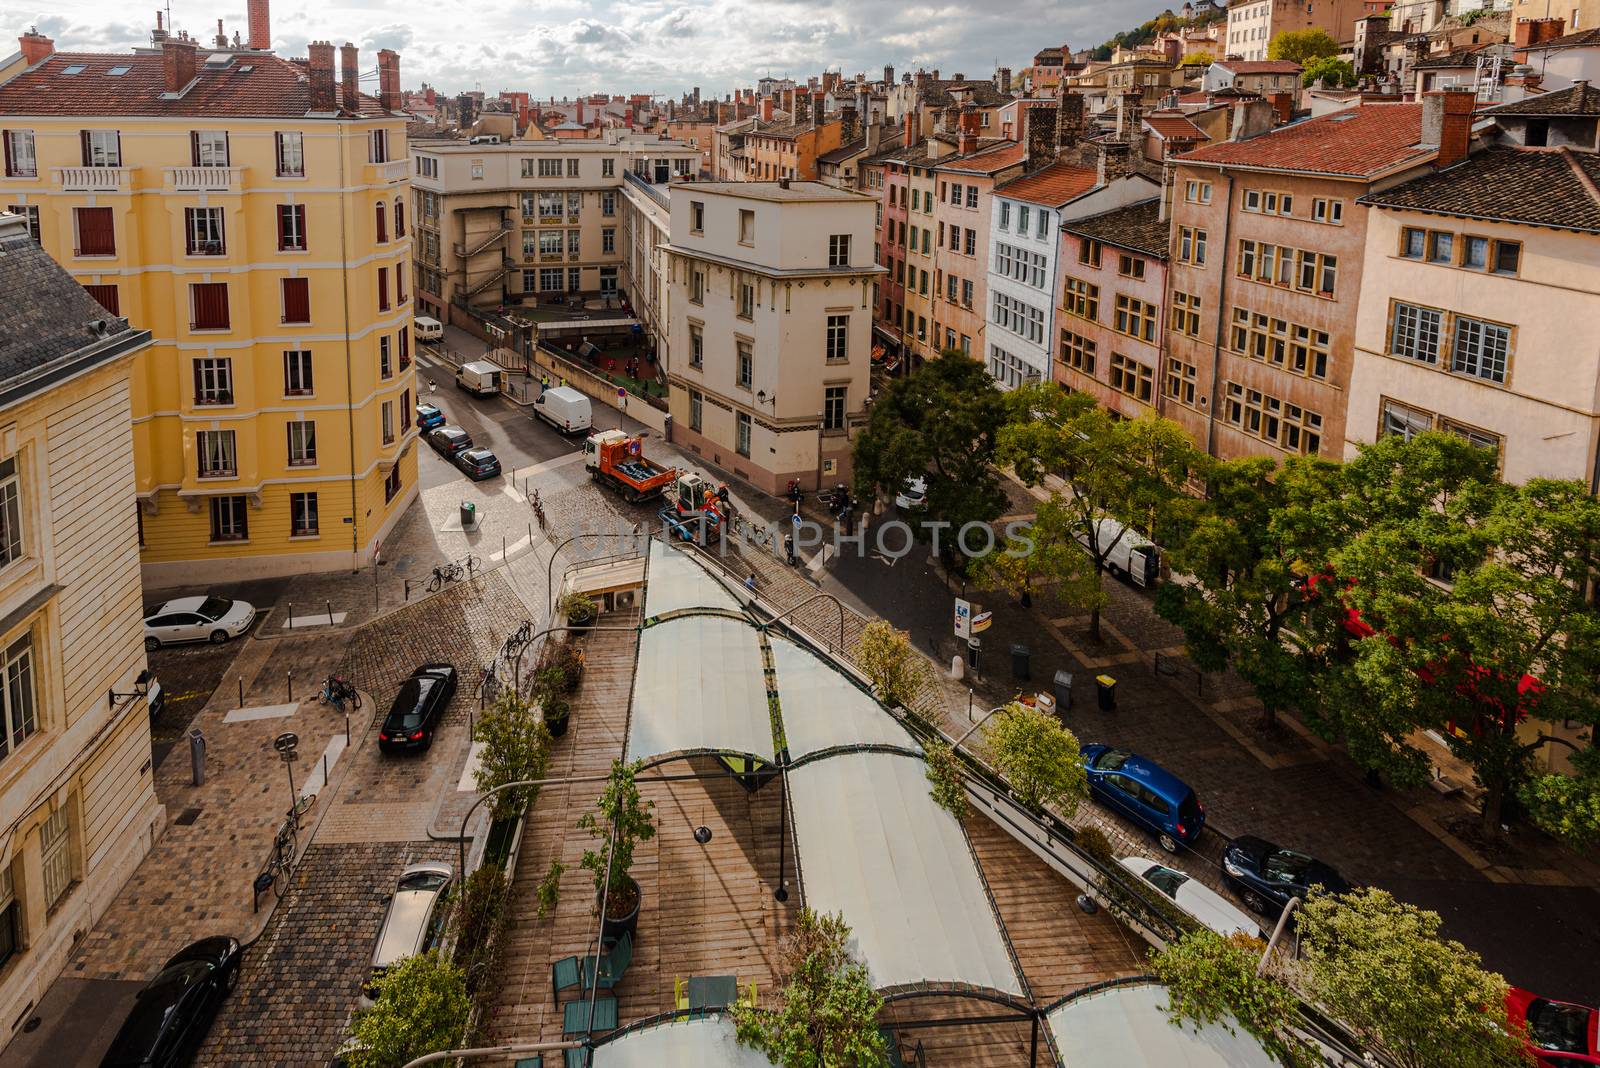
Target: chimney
<point>1283,104</point>
<point>847,124</point>
<point>888,75</point>
<point>913,134</point>
<point>259,25</point>
<point>389,81</point>
<point>874,135</point>
<point>1130,115</point>
<point>958,77</point>
<point>177,63</point>
<point>158,34</point>
<point>36,47</point>
<point>579,119</point>
<point>1038,136</point>
<point>783,183</point>
<point>350,68</point>
<point>968,123</point>
<point>766,109</point>
<point>1069,120</point>
<point>221,39</point>
<point>1002,80</point>
<point>1447,123</point>
<point>319,73</point>
<point>950,119</point>
<point>1116,161</point>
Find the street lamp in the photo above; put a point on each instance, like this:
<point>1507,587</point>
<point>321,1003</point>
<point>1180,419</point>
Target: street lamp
<point>970,731</point>
<point>141,688</point>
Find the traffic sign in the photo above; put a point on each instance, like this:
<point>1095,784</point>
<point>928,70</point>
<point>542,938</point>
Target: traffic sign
<point>981,621</point>
<point>963,619</point>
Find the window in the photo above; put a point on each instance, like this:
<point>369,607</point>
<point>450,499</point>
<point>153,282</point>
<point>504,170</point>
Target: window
<point>382,223</point>
<point>302,515</point>
<point>966,292</point>
<point>1441,247</point>
<point>697,286</point>
<point>1483,439</point>
<point>10,914</point>
<point>608,204</point>
<point>297,381</point>
<point>955,193</point>
<point>302,443</point>
<point>1089,252</point>
<point>55,847</point>
<point>213,380</point>
<point>1023,213</point>
<point>1414,332</point>
<point>972,192</point>
<point>31,213</point>
<point>391,484</point>
<point>839,250</point>
<point>573,237</point>
<point>378,146</point>
<point>21,161</point>
<point>1020,318</point>
<point>1005,214</point>
<point>228,520</point>
<point>1078,352</point>
<point>1021,264</point>
<point>552,206</point>
<point>428,167</point>
<point>1186,313</point>
<point>209,148</point>
<point>383,289</point>
<point>1197,192</point>
<point>697,217</point>
<point>1132,378</point>
<point>1192,246</point>
<point>10,513</point>
<point>833,406</point>
<point>747,300</point>
<point>696,409</point>
<point>21,712</point>
<point>1081,299</point>
<point>838,338</point>
<point>1507,256</point>
<point>107,296</point>
<point>296,300</point>
<point>1327,211</point>
<point>608,168</point>
<point>385,364</point>
<point>1268,203</point>
<point>216,454</point>
<point>102,148</point>
<point>404,340</point>
<point>572,168</point>
<point>1136,318</point>
<point>747,226</point>
<point>1481,349</point>
<point>741,443</point>
<point>608,239</point>
<point>399,218</point>
<point>1130,266</point>
<point>574,204</point>
<point>1287,426</point>
<point>1181,380</point>
<point>1474,252</point>
<point>203,231</point>
<point>1396,419</point>
<point>746,365</point>
<point>208,306</point>
<point>386,421</point>
<point>291,227</point>
<point>1007,369</point>
<point>1412,242</point>
<point>97,235</point>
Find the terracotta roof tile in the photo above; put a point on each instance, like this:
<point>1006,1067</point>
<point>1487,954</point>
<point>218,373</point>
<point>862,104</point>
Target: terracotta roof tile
<point>1538,187</point>
<point>1356,142</point>
<point>255,85</point>
<point>1137,227</point>
<point>1053,186</point>
<point>988,160</point>
<point>1259,66</point>
<point>1467,57</point>
<point>1174,127</point>
<point>1589,38</point>
<point>1579,99</point>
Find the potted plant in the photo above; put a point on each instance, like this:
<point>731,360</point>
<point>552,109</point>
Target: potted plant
<point>620,821</point>
<point>557,713</point>
<point>580,610</point>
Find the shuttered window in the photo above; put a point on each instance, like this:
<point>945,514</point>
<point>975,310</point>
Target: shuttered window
<point>208,302</point>
<point>54,842</point>
<point>97,233</point>
<point>291,227</point>
<point>107,296</point>
<point>296,300</point>
<point>383,224</point>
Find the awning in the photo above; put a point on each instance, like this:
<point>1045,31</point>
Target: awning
<point>703,1043</point>
<point>677,582</point>
<point>699,685</point>
<point>1127,1027</point>
<point>821,708</point>
<point>873,845</point>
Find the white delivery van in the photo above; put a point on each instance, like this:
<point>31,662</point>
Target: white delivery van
<point>565,409</point>
<point>1133,557</point>
<point>480,377</point>
<point>427,329</point>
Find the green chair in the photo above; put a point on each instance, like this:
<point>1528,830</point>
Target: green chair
<point>611,966</point>
<point>893,1047</point>
<point>535,1061</point>
<point>564,974</point>
<point>575,1017</point>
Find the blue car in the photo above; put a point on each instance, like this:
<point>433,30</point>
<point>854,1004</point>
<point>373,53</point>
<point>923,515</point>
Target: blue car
<point>1146,793</point>
<point>429,416</point>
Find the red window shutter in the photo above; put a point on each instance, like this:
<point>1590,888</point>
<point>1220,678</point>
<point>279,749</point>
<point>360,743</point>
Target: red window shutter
<point>83,137</point>
<point>97,235</point>
<point>383,225</point>
<point>399,218</point>
<point>5,140</point>
<point>210,305</point>
<point>405,349</point>
<point>194,147</point>
<point>283,231</point>
<point>383,289</point>
<point>296,300</point>
<point>107,296</point>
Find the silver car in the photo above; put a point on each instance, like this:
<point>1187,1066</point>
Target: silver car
<point>197,619</point>
<point>413,922</point>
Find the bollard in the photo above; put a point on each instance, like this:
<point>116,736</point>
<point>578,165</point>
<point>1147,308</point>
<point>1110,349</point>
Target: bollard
<point>290,683</point>
<point>329,605</point>
<point>241,691</point>
<point>291,615</point>
<point>408,590</point>
<point>502,548</point>
<point>530,535</point>
<point>347,728</point>
<point>325,765</point>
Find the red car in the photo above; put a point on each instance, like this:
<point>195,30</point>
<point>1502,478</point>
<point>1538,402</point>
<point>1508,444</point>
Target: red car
<point>1560,1034</point>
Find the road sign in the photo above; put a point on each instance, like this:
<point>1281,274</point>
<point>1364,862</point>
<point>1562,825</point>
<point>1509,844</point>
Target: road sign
<point>981,621</point>
<point>286,742</point>
<point>963,620</point>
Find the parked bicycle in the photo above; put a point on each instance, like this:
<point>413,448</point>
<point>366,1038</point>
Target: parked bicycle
<point>538,509</point>
<point>286,846</point>
<point>337,691</point>
<point>445,573</point>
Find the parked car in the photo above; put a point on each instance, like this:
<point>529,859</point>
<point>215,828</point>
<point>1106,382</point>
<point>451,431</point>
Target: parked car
<point>1265,875</point>
<point>1132,555</point>
<point>173,1012</point>
<point>429,416</point>
<point>448,440</point>
<point>912,495</point>
<point>1193,897</point>
<point>417,708</point>
<point>413,922</point>
<point>427,329</point>
<point>197,619</point>
<point>478,463</point>
<point>1560,1034</point>
<point>480,377</point>
<point>1146,793</point>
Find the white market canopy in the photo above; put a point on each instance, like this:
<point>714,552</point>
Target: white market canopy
<point>699,685</point>
<point>821,708</point>
<point>676,582</point>
<point>704,1043</point>
<point>1127,1027</point>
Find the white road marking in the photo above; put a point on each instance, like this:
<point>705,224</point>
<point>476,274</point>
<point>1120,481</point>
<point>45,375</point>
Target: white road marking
<point>317,780</point>
<point>820,561</point>
<point>245,715</point>
<point>514,549</point>
<point>320,619</point>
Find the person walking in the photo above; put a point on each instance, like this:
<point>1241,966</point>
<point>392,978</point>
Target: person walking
<point>750,583</point>
<point>544,384</point>
<point>788,548</point>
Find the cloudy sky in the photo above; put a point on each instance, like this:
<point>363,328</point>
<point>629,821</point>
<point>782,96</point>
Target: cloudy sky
<point>560,47</point>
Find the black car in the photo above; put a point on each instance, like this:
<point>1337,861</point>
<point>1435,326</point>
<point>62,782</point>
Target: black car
<point>449,440</point>
<point>1265,875</point>
<point>174,1010</point>
<point>418,707</point>
<point>478,464</point>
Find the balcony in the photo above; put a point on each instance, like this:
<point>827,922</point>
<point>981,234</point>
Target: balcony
<point>94,179</point>
<point>204,179</point>
<point>389,172</point>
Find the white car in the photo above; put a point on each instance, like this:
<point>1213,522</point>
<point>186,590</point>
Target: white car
<point>1193,897</point>
<point>913,495</point>
<point>197,619</point>
<point>414,922</point>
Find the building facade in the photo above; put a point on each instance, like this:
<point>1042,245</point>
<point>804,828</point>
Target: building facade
<point>1252,24</point>
<point>254,215</point>
<point>77,795</point>
<point>962,213</point>
<point>769,306</point>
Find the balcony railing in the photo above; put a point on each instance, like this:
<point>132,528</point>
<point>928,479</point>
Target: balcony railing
<point>205,179</point>
<point>395,170</point>
<point>656,193</point>
<point>94,179</point>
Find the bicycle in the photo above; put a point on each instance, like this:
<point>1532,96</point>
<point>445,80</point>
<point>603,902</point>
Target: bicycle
<point>471,564</point>
<point>337,690</point>
<point>442,574</point>
<point>286,845</point>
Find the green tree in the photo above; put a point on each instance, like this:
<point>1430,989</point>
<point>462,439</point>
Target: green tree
<point>946,778</point>
<point>1211,979</point>
<point>1300,46</point>
<point>1245,544</point>
<point>1335,72</point>
<point>421,1007</point>
<point>1038,757</point>
<point>826,1014</point>
<point>1200,58</point>
<point>1380,967</point>
<point>516,748</point>
<point>1128,470</point>
<point>886,658</point>
<point>1567,806</point>
<point>621,821</point>
<point>1047,551</point>
<point>939,423</point>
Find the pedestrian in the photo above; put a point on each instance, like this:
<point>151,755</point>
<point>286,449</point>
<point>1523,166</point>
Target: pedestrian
<point>750,583</point>
<point>788,548</point>
<point>544,384</point>
<point>563,381</point>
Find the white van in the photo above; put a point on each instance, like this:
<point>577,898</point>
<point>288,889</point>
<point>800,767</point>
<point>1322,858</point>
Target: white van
<point>1133,556</point>
<point>480,377</point>
<point>565,409</point>
<point>427,329</point>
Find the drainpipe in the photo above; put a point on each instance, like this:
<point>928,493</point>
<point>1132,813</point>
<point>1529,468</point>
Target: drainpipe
<point>349,358</point>
<point>1216,341</point>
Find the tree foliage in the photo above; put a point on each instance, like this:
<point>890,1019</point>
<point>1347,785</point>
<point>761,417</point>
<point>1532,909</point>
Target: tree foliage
<point>421,1007</point>
<point>826,1014</point>
<point>1301,46</point>
<point>1212,980</point>
<point>1201,58</point>
<point>516,747</point>
<point>1331,71</point>
<point>1038,757</point>
<point>1046,551</point>
<point>886,659</point>
<point>621,820</point>
<point>1567,806</point>
<point>946,779</point>
<point>481,919</point>
<point>1380,967</point>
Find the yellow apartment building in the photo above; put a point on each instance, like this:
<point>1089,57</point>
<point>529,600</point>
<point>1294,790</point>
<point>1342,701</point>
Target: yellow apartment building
<point>254,215</point>
<point>78,808</point>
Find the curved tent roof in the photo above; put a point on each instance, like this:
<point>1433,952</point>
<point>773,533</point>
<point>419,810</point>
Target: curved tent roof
<point>821,708</point>
<point>699,685</point>
<point>708,1042</point>
<point>676,582</point>
<point>1127,1027</point>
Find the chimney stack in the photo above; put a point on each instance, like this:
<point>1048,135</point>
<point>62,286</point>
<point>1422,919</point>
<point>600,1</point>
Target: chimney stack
<point>819,110</point>
<point>888,75</point>
<point>1447,122</point>
<point>221,39</point>
<point>259,25</point>
<point>913,135</point>
<point>579,119</point>
<point>350,68</point>
<point>967,121</point>
<point>1283,104</point>
<point>1116,161</point>
<point>389,81</point>
<point>847,124</point>
<point>319,73</point>
<point>1038,136</point>
<point>766,109</point>
<point>36,47</point>
<point>177,63</point>
<point>158,34</point>
<point>1069,120</point>
<point>1002,80</point>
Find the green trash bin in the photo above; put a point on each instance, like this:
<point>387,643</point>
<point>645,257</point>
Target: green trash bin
<point>469,515</point>
<point>1106,692</point>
